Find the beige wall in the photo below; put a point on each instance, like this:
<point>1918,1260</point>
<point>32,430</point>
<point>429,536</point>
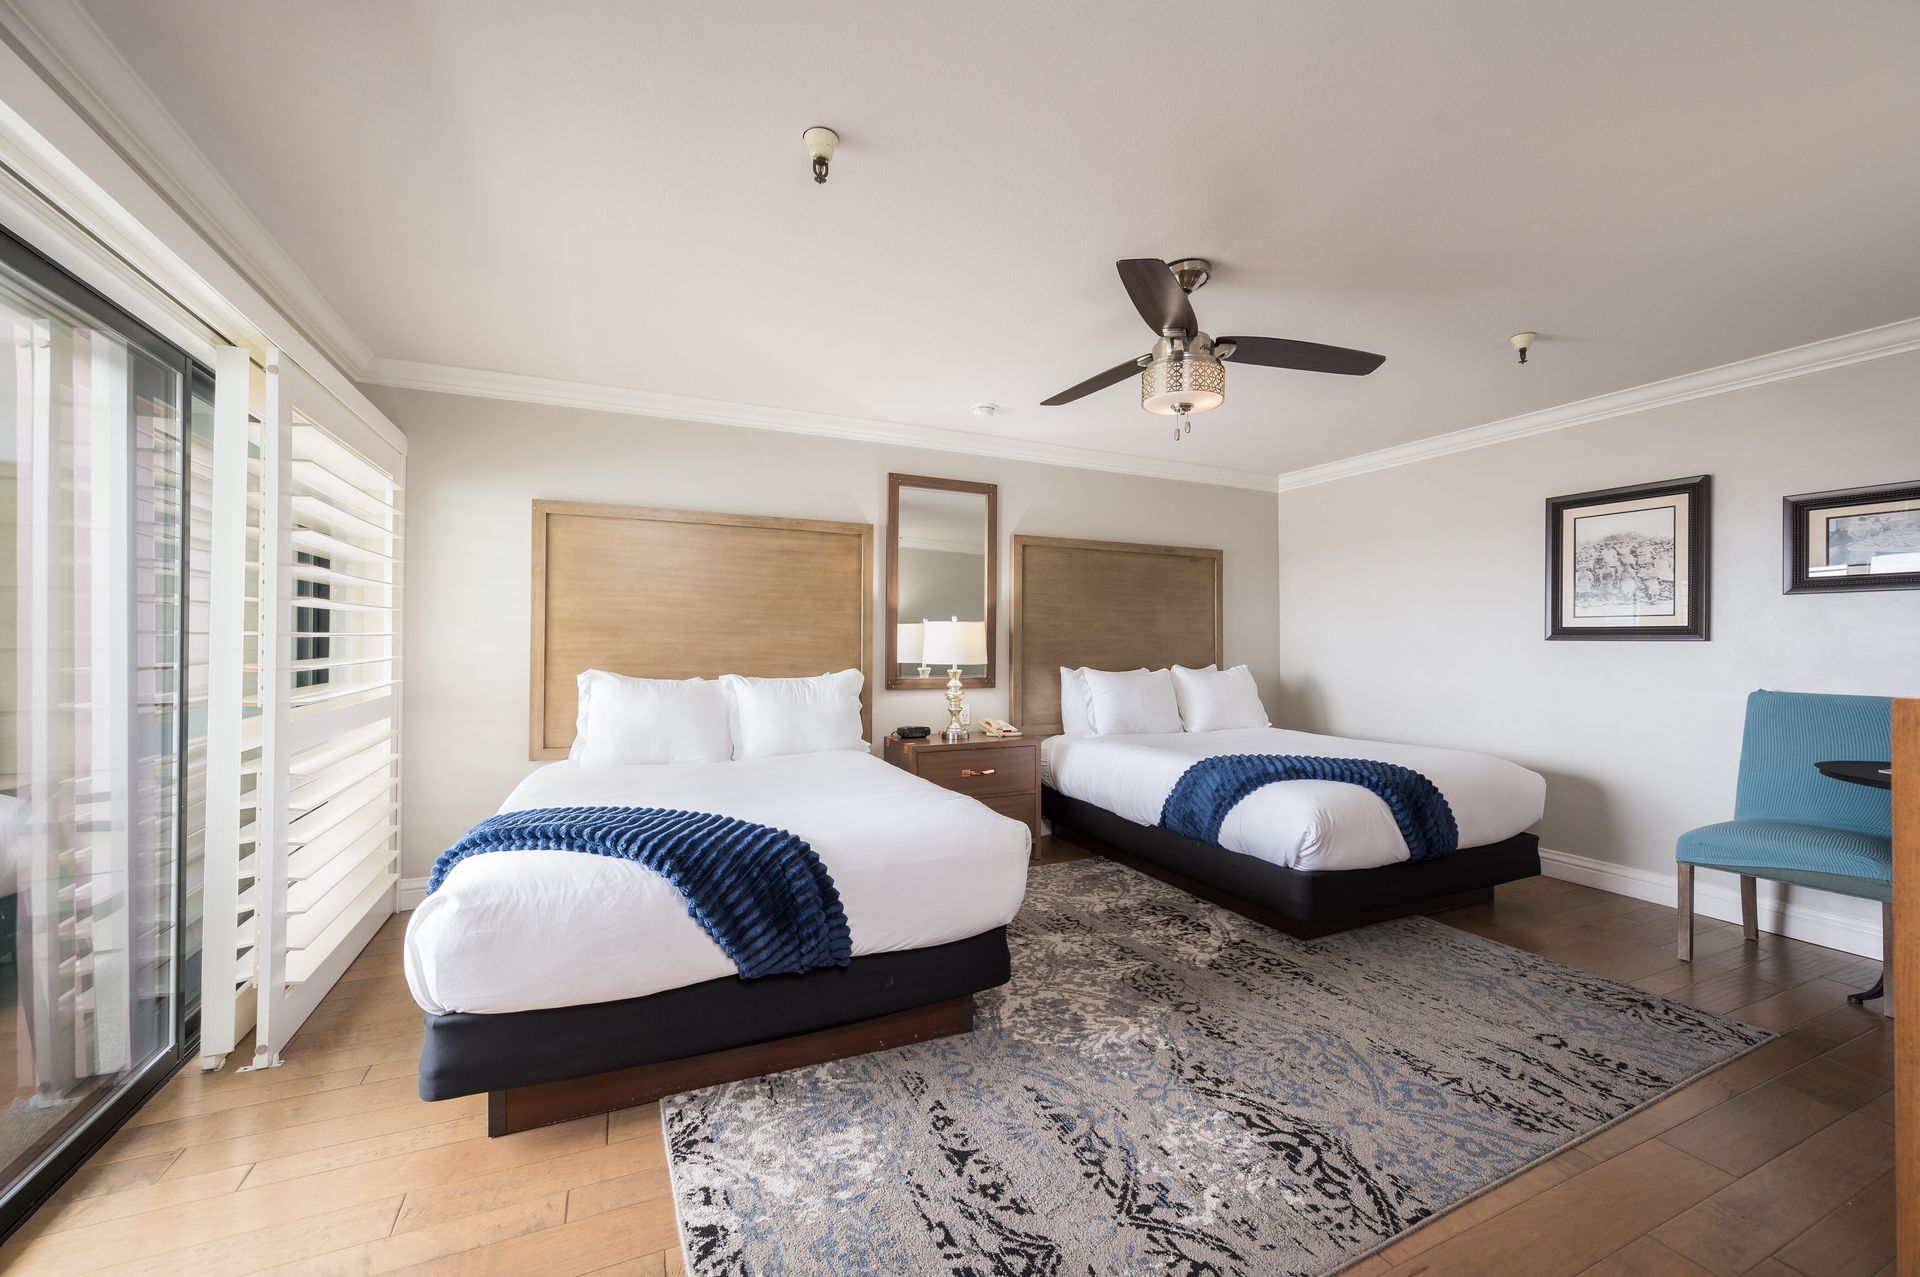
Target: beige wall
<point>1411,608</point>
<point>474,465</point>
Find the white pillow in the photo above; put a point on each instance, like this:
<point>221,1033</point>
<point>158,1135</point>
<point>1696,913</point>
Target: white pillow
<point>650,720</point>
<point>1133,702</point>
<point>1073,703</point>
<point>774,716</point>
<point>1213,700</point>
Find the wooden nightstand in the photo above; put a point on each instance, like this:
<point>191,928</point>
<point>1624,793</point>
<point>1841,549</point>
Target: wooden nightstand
<point>1001,771</point>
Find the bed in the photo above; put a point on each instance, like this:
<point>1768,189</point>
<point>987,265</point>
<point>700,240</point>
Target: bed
<point>563,984</point>
<point>1309,857</point>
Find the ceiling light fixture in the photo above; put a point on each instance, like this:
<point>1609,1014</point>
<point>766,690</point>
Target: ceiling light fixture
<point>820,142</point>
<point>1520,342</point>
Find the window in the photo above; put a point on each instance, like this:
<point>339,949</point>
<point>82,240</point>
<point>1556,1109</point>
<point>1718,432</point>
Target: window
<point>95,512</point>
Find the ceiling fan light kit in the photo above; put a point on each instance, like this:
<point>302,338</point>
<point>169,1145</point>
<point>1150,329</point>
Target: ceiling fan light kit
<point>1183,382</point>
<point>1520,342</point>
<point>1184,373</point>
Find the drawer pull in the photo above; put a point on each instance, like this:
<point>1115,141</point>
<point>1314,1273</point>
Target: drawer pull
<point>966,772</point>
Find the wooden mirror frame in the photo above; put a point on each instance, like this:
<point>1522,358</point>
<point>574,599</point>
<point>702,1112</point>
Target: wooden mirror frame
<point>991,492</point>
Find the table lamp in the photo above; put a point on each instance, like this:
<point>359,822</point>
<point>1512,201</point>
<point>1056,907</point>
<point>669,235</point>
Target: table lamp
<point>953,644</point>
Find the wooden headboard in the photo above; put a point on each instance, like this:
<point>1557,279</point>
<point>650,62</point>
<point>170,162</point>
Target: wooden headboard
<point>683,594</point>
<point>1108,605</point>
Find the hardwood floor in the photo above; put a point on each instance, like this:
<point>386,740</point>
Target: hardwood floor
<point>1778,1164</point>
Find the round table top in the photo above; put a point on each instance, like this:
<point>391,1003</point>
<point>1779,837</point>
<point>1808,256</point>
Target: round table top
<point>1878,775</point>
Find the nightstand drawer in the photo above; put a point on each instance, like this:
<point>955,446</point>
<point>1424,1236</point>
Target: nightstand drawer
<point>1020,807</point>
<point>980,772</point>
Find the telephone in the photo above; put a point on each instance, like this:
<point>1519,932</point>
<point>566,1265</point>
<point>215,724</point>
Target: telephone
<point>998,727</point>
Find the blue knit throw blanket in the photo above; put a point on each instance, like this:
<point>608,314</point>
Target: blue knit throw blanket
<point>761,893</point>
<point>1209,789</point>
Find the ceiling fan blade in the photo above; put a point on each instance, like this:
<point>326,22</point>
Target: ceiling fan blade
<point>1156,295</point>
<point>1100,381</point>
<point>1279,352</point>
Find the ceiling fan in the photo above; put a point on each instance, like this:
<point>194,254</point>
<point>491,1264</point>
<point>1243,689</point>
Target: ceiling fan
<point>1184,373</point>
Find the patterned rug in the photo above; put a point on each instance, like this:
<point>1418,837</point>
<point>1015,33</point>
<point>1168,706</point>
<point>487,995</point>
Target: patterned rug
<point>1166,1087</point>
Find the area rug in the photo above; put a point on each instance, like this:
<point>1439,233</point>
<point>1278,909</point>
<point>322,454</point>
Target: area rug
<point>1167,1087</point>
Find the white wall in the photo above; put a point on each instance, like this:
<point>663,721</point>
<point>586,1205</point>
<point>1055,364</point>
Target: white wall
<point>1412,608</point>
<point>475,465</point>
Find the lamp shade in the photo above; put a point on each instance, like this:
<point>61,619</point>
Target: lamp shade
<point>1183,383</point>
<point>955,643</point>
<point>908,642</point>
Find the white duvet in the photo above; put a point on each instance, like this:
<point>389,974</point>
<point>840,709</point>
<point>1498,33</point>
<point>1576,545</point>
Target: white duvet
<point>1297,824</point>
<point>915,866</point>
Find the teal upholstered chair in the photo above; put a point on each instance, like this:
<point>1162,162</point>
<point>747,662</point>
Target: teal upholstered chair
<point>1790,823</point>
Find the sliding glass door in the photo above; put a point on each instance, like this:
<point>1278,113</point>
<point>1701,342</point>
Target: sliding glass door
<point>95,419</point>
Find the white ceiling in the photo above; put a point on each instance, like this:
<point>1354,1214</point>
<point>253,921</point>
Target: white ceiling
<point>617,194</point>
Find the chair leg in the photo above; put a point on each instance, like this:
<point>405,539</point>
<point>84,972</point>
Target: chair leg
<point>1882,990</point>
<point>1749,907</point>
<point>1685,905</point>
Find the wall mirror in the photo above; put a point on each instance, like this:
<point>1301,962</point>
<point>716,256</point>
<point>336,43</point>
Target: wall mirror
<point>941,539</point>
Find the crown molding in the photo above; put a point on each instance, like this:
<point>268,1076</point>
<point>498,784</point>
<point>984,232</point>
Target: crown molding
<point>1798,361</point>
<point>522,388</point>
<point>70,47</point>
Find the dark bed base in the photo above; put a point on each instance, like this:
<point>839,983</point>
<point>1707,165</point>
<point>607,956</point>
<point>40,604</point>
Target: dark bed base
<point>541,1067</point>
<point>521,1108</point>
<point>1302,903</point>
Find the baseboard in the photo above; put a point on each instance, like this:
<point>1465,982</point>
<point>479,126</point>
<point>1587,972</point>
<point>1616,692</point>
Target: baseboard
<point>1788,912</point>
<point>414,890</point>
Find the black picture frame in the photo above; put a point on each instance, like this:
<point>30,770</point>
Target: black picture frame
<point>1794,516</point>
<point>1696,494</point>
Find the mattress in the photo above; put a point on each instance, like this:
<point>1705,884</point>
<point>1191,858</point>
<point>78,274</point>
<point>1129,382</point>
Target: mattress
<point>915,865</point>
<point>1297,824</point>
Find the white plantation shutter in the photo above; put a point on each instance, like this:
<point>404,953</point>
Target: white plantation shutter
<point>232,756</point>
<point>314,697</point>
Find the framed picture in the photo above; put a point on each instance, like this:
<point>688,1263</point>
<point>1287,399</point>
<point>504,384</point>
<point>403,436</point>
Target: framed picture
<point>1854,539</point>
<point>1629,563</point>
